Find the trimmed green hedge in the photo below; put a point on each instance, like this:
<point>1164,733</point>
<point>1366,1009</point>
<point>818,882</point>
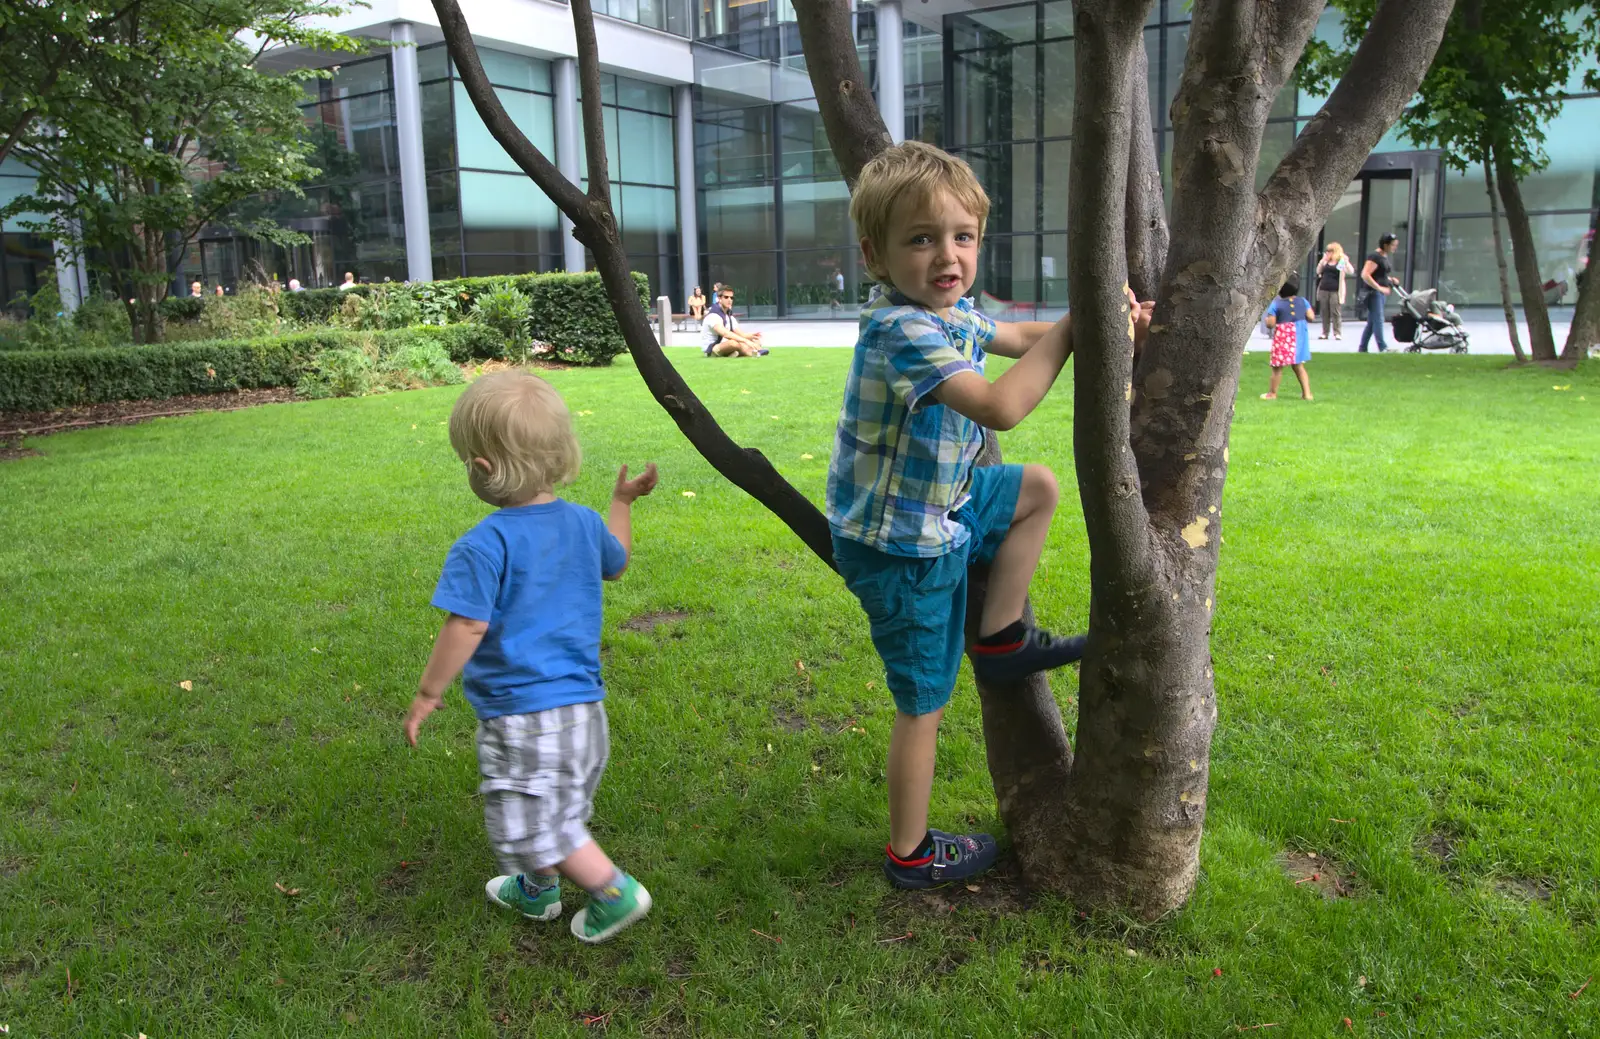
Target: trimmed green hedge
<point>41,380</point>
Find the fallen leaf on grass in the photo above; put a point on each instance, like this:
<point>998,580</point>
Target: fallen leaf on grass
<point>688,494</point>
<point>974,888</point>
<point>290,891</point>
<point>1566,387</point>
<point>767,936</point>
<point>799,665</point>
<point>186,685</point>
<point>807,457</point>
<point>744,391</point>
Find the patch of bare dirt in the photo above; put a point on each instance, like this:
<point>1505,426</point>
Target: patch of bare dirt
<point>1439,844</point>
<point>999,892</point>
<point>648,622</point>
<point>790,721</point>
<point>15,425</point>
<point>1328,877</point>
<point>1526,889</point>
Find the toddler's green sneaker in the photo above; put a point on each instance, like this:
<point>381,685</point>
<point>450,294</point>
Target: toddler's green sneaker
<point>602,918</point>
<point>508,893</point>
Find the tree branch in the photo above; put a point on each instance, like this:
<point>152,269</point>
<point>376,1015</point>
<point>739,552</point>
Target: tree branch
<point>1108,34</point>
<point>850,116</point>
<point>594,126</point>
<point>1146,215</point>
<point>1384,73</point>
<point>745,468</point>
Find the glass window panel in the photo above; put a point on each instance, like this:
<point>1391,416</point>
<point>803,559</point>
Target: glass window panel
<point>995,95</point>
<point>828,283</point>
<point>1007,24</point>
<point>806,152</point>
<point>1058,18</point>
<point>646,145</point>
<point>1060,87</point>
<point>447,265</point>
<point>754,277</point>
<point>1053,270</point>
<point>1573,145</point>
<point>360,77</point>
<point>738,218</point>
<point>444,213</point>
<point>504,203</point>
<point>438,138</point>
<point>1467,272</point>
<point>1464,192</point>
<point>1427,229</point>
<point>354,137</point>
<point>433,62</point>
<point>649,219</point>
<point>1008,276</point>
<point>817,213</point>
<point>1057,168</point>
<point>732,145</point>
<point>1009,175</point>
<point>488,266</point>
<point>652,97</point>
<point>517,71</point>
<point>534,115</point>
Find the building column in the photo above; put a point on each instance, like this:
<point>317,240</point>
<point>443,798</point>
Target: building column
<point>891,69</point>
<point>408,137</point>
<point>69,276</point>
<point>688,211</point>
<point>568,143</point>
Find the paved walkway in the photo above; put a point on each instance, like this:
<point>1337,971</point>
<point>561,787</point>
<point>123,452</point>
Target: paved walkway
<point>1486,325</point>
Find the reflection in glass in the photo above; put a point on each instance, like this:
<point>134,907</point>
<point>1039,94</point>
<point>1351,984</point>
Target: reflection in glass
<point>534,115</point>
<point>754,277</point>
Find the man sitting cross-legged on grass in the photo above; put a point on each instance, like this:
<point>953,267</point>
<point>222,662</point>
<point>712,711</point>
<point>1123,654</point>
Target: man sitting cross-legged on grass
<point>908,509</point>
<point>523,592</point>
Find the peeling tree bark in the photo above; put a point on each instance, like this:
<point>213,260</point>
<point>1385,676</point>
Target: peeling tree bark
<point>1525,255</point>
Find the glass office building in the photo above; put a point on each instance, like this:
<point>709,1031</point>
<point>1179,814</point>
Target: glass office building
<point>721,170</point>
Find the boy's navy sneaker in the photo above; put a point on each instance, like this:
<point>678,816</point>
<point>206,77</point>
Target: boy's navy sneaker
<point>954,857</point>
<point>1038,650</point>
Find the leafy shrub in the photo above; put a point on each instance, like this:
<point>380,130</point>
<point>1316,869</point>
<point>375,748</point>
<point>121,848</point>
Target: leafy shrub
<point>250,314</point>
<point>316,306</point>
<point>468,341</point>
<point>417,365</point>
<point>347,372</point>
<point>183,308</point>
<point>571,312</point>
<point>439,302</point>
<point>99,322</point>
<point>505,309</point>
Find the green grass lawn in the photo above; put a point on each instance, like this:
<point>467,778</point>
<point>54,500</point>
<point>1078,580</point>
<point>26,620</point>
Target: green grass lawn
<point>213,625</point>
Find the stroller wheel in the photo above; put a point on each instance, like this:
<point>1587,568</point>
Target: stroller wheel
<point>1459,348</point>
<point>1413,348</point>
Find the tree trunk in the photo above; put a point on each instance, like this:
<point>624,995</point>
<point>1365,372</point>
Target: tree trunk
<point>1146,214</point>
<point>1584,335</point>
<point>1500,260</point>
<point>1525,255</point>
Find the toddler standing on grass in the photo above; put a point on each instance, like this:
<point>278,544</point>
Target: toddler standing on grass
<point>908,510</point>
<point>522,589</point>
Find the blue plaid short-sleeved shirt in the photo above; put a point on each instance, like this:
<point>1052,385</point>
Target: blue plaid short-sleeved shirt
<point>902,462</point>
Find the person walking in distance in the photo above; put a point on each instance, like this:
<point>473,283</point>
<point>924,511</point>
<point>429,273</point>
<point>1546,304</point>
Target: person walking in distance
<point>1331,270</point>
<point>1376,278</point>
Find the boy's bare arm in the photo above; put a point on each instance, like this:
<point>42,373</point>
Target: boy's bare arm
<point>456,643</point>
<point>619,520</point>
<point>1014,338</point>
<point>1009,399</point>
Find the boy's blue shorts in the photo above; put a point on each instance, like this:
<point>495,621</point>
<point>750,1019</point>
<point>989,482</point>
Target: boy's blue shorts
<point>917,606</point>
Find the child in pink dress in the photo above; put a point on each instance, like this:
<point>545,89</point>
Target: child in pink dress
<point>1291,338</point>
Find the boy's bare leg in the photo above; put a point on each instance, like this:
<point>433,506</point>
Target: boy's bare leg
<point>588,867</point>
<point>912,744</point>
<point>1013,566</point>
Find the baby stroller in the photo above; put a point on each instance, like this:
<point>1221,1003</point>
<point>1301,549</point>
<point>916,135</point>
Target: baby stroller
<point>1424,323</point>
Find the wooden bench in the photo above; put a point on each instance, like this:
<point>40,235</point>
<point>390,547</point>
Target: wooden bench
<point>680,322</point>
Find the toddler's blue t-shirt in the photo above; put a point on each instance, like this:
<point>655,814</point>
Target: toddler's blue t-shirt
<point>533,573</point>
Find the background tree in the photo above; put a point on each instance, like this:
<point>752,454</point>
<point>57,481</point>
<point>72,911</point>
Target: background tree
<point>166,125</point>
<point>1119,821</point>
<point>1497,81</point>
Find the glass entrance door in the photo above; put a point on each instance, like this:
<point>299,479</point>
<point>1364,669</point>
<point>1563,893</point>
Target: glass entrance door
<point>1395,193</point>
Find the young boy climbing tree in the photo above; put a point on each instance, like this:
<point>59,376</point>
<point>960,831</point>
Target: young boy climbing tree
<point>908,509</point>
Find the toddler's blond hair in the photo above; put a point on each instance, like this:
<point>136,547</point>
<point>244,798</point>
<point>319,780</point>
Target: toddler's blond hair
<point>519,424</point>
<point>916,172</point>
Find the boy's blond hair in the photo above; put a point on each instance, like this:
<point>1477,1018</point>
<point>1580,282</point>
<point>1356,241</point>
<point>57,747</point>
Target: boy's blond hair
<point>916,172</point>
<point>519,424</point>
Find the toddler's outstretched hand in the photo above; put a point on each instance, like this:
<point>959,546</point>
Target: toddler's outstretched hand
<point>629,490</point>
<point>422,705</point>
